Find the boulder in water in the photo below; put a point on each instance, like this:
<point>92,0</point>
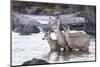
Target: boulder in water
<point>30,29</point>
<point>35,61</point>
<point>18,29</point>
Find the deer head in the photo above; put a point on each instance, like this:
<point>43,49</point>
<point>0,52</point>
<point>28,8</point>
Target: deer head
<point>66,29</point>
<point>54,23</point>
<point>46,35</point>
<point>66,32</point>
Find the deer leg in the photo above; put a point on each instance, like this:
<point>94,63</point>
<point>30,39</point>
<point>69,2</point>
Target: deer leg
<point>69,49</point>
<point>58,48</point>
<point>64,49</point>
<point>87,47</point>
<point>80,49</point>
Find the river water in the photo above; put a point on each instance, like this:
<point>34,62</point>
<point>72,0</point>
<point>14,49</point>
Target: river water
<point>27,47</point>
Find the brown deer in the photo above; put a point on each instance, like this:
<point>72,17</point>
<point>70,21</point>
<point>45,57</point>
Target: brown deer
<point>60,36</point>
<point>53,43</point>
<point>77,40</point>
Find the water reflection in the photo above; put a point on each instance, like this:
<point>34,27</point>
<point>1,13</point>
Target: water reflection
<point>58,56</point>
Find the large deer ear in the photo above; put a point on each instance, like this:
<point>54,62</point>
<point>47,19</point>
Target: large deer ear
<point>68,28</point>
<point>59,21</point>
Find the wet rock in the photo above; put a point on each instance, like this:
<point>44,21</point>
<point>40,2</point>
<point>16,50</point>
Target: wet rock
<point>30,29</point>
<point>22,33</point>
<point>72,19</point>
<point>26,29</point>
<point>18,29</point>
<point>36,29</point>
<point>24,25</point>
<point>35,61</point>
<point>55,13</point>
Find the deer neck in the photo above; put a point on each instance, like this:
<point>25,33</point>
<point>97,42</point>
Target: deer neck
<point>67,36</point>
<point>49,40</point>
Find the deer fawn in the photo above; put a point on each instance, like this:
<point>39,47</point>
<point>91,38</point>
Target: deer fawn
<point>53,43</point>
<point>77,40</point>
<point>60,36</point>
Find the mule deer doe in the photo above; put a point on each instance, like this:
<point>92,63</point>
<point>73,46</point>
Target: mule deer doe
<point>77,40</point>
<point>53,43</point>
<point>60,36</point>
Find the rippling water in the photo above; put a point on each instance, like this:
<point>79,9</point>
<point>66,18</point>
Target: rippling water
<point>25,48</point>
